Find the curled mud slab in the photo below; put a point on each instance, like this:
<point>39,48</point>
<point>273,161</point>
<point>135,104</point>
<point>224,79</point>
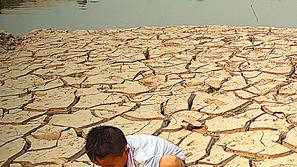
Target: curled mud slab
<point>226,95</point>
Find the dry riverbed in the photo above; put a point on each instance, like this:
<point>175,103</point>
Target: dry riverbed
<point>226,95</point>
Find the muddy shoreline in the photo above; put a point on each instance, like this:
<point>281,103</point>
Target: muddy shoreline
<point>226,95</point>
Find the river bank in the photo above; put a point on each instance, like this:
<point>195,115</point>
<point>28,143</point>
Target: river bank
<point>226,95</point>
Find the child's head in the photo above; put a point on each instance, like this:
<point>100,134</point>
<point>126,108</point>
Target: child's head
<point>107,146</point>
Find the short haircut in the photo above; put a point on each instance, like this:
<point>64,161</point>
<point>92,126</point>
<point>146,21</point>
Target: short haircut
<point>103,141</point>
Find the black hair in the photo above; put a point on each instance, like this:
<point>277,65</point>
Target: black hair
<point>105,140</point>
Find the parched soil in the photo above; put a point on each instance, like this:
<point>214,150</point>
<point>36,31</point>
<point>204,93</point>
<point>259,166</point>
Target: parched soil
<point>226,95</point>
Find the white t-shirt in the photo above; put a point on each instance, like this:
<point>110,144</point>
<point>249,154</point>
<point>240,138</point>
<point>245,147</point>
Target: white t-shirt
<point>147,150</point>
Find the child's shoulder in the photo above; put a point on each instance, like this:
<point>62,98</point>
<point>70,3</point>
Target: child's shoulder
<point>144,138</point>
<point>141,136</point>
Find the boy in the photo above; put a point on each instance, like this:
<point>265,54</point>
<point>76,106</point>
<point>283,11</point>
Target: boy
<point>107,146</point>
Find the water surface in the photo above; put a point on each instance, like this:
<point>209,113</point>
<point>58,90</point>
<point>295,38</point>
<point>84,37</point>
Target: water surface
<point>21,16</point>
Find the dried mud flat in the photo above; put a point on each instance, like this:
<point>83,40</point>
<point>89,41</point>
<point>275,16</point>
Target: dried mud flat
<point>226,95</point>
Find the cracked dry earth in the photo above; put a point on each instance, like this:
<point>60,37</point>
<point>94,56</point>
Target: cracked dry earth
<point>226,95</point>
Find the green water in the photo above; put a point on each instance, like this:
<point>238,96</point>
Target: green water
<point>21,16</point>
